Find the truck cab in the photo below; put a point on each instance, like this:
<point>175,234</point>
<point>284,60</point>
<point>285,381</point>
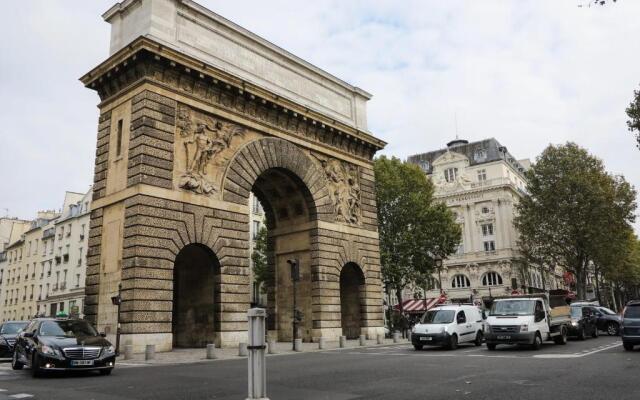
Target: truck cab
<point>527,320</point>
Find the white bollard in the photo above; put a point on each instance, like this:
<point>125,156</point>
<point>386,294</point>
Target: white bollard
<point>257,361</point>
<point>242,349</point>
<point>271,345</point>
<point>322,342</point>
<point>343,341</point>
<point>396,337</point>
<point>211,351</point>
<point>297,345</point>
<point>128,351</point>
<point>363,340</point>
<point>150,352</point>
<point>380,338</point>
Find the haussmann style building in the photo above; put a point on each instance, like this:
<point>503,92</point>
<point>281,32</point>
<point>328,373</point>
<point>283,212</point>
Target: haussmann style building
<point>481,182</point>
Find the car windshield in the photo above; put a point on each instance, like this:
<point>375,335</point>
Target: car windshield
<point>576,312</point>
<point>512,307</point>
<point>438,317</point>
<point>607,311</point>
<point>12,327</point>
<point>632,312</point>
<point>69,328</point>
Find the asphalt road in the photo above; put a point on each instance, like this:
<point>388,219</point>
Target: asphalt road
<point>593,369</point>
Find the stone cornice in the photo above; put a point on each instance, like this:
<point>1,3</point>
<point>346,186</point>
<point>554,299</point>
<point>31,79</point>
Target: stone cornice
<point>147,59</point>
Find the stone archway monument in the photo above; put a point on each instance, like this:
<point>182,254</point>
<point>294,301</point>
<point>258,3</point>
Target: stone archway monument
<point>196,113</point>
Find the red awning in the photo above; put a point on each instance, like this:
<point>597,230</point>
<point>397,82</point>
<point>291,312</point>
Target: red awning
<point>420,305</point>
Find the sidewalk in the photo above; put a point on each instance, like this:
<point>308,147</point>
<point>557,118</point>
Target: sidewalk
<point>186,356</point>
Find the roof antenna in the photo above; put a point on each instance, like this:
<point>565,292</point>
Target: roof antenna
<point>455,119</point>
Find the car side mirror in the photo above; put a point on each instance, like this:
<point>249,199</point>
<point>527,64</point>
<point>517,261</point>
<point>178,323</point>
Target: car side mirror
<point>103,334</point>
<point>28,334</point>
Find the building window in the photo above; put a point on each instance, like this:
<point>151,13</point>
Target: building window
<point>482,175</point>
<point>480,155</point>
<point>487,229</point>
<point>489,245</point>
<point>256,229</point>
<point>491,279</point>
<point>119,139</point>
<point>460,281</point>
<point>450,174</point>
<point>424,165</point>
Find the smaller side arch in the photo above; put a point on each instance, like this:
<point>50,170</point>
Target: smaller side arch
<point>352,300</point>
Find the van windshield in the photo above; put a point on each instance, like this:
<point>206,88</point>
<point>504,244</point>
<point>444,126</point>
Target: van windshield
<point>512,307</point>
<point>438,317</point>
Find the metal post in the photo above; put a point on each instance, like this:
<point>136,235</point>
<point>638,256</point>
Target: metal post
<point>117,300</point>
<point>295,277</point>
<point>257,362</point>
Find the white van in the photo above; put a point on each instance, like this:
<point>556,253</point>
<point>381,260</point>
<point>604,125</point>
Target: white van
<point>448,325</point>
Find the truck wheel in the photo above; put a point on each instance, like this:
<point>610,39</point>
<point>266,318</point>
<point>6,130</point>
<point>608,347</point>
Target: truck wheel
<point>453,342</point>
<point>612,329</point>
<point>478,341</point>
<point>417,346</point>
<point>537,342</point>
<point>491,346</point>
<point>562,338</point>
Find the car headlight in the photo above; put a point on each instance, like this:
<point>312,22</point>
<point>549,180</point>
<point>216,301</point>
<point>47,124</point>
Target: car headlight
<point>48,350</point>
<point>574,323</point>
<point>109,350</point>
<point>524,328</point>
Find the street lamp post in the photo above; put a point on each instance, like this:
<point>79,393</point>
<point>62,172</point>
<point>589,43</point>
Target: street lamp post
<point>116,301</point>
<point>438,263</point>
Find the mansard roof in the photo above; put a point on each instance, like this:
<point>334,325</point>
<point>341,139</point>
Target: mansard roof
<point>480,152</point>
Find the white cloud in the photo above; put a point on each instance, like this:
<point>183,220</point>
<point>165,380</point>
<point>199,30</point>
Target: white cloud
<point>528,73</point>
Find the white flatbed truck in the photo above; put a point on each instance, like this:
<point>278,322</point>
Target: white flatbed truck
<point>527,319</point>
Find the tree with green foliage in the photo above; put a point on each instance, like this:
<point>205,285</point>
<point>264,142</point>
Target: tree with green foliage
<point>633,111</point>
<point>574,211</point>
<point>622,268</point>
<point>261,271</point>
<point>414,229</point>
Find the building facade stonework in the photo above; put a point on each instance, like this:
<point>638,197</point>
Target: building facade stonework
<point>186,135</point>
<point>481,182</point>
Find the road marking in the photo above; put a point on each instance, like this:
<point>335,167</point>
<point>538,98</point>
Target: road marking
<point>577,355</point>
<point>21,396</point>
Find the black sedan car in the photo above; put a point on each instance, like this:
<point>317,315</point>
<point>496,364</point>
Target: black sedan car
<point>8,333</point>
<point>49,344</point>
<point>583,322</point>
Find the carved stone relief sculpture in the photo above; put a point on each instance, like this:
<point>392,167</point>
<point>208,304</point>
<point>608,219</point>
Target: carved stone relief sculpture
<point>343,183</point>
<point>203,139</point>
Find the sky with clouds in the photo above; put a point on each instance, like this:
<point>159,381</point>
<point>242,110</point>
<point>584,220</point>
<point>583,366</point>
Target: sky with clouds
<point>527,72</point>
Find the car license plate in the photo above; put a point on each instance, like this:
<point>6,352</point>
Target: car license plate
<point>426,338</point>
<point>504,337</point>
<point>84,363</point>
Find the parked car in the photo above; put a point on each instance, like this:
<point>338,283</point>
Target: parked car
<point>56,344</point>
<point>608,320</point>
<point>448,326</point>
<point>8,333</point>
<point>583,322</point>
<point>630,328</point>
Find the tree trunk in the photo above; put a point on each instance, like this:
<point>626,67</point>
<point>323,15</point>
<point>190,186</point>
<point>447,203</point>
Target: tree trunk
<point>580,283</point>
<point>598,286</point>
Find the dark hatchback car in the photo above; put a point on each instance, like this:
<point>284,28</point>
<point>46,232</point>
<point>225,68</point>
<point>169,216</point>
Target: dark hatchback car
<point>49,344</point>
<point>8,333</point>
<point>608,320</point>
<point>631,325</point>
<point>583,322</point>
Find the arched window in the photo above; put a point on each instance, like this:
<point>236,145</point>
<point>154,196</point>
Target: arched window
<point>460,281</point>
<point>491,279</point>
